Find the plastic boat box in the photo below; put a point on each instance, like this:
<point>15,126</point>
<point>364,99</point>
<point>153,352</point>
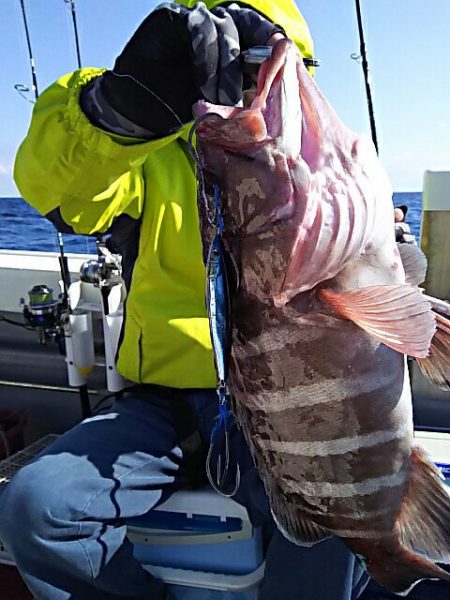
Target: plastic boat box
<point>202,544</point>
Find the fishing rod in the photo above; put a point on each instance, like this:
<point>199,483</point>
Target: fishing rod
<point>64,268</point>
<point>19,87</point>
<point>62,259</point>
<point>75,30</point>
<point>103,274</point>
<point>365,66</point>
<point>34,311</point>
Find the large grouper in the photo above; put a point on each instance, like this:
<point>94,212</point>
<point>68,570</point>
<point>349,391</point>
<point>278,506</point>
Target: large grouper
<point>322,320</point>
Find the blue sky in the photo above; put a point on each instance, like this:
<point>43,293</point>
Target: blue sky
<point>408,46</point>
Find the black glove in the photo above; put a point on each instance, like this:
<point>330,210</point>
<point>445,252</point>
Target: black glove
<point>177,56</point>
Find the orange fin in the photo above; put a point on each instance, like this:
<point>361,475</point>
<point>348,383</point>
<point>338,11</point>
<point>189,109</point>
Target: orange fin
<point>414,263</point>
<point>436,366</point>
<point>396,315</point>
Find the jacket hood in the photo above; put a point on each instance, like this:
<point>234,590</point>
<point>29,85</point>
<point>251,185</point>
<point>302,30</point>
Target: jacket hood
<point>281,12</point>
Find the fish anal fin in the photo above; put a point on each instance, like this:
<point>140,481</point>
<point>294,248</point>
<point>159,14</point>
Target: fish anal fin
<point>414,263</point>
<point>295,528</point>
<point>436,366</point>
<point>396,315</point>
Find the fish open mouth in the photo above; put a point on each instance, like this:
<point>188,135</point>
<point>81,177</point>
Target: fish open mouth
<point>244,129</point>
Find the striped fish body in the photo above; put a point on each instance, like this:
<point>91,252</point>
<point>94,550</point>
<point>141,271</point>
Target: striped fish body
<point>322,318</point>
<point>326,411</point>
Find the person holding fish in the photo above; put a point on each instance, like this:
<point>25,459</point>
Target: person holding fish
<point>403,233</point>
<point>108,151</point>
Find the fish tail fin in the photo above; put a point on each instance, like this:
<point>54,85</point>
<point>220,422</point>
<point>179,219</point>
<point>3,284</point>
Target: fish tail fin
<point>401,573</point>
<point>424,519</point>
<point>423,527</point>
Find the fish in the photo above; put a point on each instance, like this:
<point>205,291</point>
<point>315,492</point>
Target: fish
<point>322,319</point>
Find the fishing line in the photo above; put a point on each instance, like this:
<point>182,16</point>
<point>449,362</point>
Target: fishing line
<point>154,94</point>
<point>210,213</point>
<point>12,322</point>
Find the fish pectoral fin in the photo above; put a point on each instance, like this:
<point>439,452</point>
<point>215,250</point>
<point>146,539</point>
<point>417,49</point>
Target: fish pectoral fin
<point>397,315</point>
<point>414,263</point>
<point>436,366</point>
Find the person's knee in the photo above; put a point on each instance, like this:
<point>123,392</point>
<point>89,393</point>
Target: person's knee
<point>34,502</point>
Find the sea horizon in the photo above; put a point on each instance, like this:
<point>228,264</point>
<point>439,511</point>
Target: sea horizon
<point>23,228</point>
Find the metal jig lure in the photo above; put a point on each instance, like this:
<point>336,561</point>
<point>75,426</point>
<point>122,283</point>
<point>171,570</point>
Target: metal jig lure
<point>219,315</point>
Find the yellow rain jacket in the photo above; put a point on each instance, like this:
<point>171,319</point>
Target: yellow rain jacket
<point>93,178</point>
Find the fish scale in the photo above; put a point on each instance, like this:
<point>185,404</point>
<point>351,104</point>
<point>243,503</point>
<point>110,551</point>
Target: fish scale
<point>321,320</point>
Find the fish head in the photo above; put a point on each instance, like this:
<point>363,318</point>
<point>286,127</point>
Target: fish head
<point>301,195</point>
<point>246,149</point>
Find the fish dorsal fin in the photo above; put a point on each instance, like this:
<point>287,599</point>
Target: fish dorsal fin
<point>414,262</point>
<point>436,366</point>
<point>396,315</point>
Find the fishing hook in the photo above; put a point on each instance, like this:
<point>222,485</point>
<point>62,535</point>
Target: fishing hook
<point>221,476</point>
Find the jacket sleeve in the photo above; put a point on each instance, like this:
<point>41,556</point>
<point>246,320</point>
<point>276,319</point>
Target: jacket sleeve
<point>68,164</point>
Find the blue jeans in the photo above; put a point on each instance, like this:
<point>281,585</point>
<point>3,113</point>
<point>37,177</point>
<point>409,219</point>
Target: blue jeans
<point>62,516</point>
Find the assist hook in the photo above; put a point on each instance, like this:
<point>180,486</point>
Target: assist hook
<point>219,481</point>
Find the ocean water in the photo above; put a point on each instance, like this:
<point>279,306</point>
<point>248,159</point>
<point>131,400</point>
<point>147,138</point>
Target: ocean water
<point>22,228</point>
